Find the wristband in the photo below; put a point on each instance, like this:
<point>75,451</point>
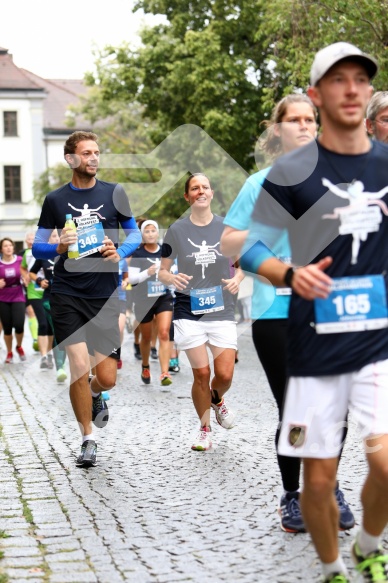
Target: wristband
<point>288,277</point>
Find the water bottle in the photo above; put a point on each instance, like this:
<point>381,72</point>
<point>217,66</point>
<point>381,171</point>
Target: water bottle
<point>72,251</point>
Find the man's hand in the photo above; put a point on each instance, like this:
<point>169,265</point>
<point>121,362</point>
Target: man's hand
<point>109,251</point>
<point>311,282</point>
<point>68,237</point>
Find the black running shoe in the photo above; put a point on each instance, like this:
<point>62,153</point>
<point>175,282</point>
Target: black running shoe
<point>137,353</point>
<point>174,365</point>
<point>154,353</point>
<point>291,519</point>
<point>100,411</point>
<point>145,375</point>
<point>346,517</point>
<point>88,455</point>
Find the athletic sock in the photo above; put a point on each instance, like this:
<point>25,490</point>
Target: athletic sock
<point>88,437</point>
<point>337,566</point>
<point>215,397</point>
<point>366,542</point>
<point>33,326</point>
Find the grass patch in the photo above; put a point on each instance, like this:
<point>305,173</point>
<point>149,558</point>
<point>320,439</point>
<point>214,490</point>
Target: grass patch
<point>3,534</point>
<point>3,578</point>
<point>27,512</point>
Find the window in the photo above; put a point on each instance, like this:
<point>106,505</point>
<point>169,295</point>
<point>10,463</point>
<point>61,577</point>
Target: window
<point>12,184</point>
<point>10,123</point>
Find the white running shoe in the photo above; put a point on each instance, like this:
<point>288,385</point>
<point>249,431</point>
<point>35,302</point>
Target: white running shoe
<point>203,441</point>
<point>225,417</point>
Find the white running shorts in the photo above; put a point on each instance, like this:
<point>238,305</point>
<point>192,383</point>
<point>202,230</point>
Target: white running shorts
<point>315,410</point>
<point>192,333</point>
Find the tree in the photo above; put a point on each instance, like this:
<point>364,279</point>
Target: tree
<point>296,29</point>
<point>222,65</point>
<point>219,65</point>
<point>201,68</point>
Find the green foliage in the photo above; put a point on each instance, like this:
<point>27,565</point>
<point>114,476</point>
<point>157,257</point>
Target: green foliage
<point>296,29</point>
<point>219,65</point>
<point>51,179</point>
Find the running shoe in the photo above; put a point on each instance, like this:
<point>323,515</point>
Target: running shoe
<point>136,348</point>
<point>346,518</point>
<point>50,362</point>
<point>35,345</point>
<point>61,375</point>
<point>291,519</point>
<point>88,455</point>
<point>9,359</point>
<point>43,363</point>
<point>154,353</point>
<point>203,441</point>
<point>145,375</point>
<point>372,567</point>
<point>21,354</point>
<point>105,395</point>
<point>225,417</point>
<point>165,379</point>
<point>119,364</point>
<point>100,411</point>
<point>336,578</point>
<point>174,365</point>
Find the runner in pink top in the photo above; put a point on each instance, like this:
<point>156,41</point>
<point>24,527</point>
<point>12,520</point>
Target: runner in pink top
<point>12,299</point>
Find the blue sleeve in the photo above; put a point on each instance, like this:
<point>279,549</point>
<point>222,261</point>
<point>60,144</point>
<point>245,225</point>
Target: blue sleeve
<point>258,246</point>
<point>41,249</point>
<point>239,214</point>
<point>133,239</point>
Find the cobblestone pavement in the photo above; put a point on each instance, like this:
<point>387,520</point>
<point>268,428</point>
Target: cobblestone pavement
<point>153,511</point>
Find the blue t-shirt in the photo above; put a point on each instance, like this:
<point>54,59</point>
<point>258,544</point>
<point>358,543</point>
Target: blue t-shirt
<point>104,207</point>
<point>332,205</point>
<point>267,301</point>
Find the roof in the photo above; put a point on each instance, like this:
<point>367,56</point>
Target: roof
<point>61,93</point>
<point>13,78</point>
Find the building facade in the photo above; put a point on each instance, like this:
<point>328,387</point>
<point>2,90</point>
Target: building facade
<point>33,129</point>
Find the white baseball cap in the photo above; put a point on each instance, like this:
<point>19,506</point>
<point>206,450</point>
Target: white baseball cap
<point>332,54</point>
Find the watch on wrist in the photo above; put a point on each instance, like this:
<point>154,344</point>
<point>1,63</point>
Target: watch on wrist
<point>289,276</point>
<point>38,280</point>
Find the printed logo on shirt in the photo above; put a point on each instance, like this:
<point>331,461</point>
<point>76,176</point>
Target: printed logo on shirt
<point>361,216</point>
<point>205,256</point>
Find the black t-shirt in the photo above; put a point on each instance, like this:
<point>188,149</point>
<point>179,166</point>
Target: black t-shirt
<point>48,269</point>
<point>310,192</point>
<point>149,290</point>
<point>197,252</point>
<point>104,206</point>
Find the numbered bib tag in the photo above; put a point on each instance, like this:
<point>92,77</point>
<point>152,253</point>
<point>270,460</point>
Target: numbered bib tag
<point>204,301</point>
<point>90,238</point>
<point>355,304</point>
<point>155,289</point>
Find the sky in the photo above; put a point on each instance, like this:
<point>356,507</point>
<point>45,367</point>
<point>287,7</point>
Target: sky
<point>55,40</point>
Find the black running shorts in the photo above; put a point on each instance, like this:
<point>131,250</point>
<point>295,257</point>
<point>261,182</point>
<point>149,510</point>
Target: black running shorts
<point>94,321</point>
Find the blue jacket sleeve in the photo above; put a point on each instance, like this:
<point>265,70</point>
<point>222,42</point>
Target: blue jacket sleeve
<point>41,248</point>
<point>133,239</point>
